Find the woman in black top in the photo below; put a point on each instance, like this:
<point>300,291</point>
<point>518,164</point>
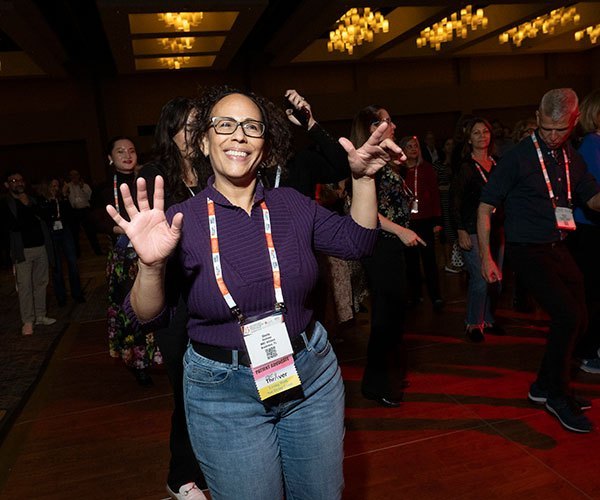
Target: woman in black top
<point>473,174</point>
<point>174,161</point>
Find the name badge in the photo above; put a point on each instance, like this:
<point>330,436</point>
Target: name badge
<point>564,219</point>
<point>271,355</point>
<point>414,207</point>
<point>57,226</point>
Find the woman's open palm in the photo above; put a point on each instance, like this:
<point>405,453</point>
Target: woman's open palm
<point>150,233</point>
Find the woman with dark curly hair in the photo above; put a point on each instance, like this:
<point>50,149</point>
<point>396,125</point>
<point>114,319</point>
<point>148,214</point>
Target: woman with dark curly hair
<point>263,391</point>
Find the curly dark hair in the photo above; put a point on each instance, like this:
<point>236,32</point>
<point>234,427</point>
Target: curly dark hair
<point>173,118</point>
<point>277,137</point>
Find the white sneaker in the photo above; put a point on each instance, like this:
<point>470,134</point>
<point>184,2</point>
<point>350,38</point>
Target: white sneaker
<point>188,491</point>
<point>45,320</point>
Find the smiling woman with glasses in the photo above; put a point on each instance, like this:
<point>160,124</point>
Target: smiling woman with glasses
<point>225,125</point>
<point>260,377</point>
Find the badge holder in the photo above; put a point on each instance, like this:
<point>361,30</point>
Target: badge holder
<point>271,354</point>
<point>414,207</point>
<point>564,219</point>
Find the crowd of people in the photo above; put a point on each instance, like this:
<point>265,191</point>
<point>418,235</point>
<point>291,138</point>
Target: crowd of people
<point>229,252</point>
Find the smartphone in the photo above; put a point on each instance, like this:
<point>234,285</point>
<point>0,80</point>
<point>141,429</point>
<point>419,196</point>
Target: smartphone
<point>302,114</point>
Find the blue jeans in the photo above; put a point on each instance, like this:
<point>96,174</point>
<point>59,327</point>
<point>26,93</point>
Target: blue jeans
<point>249,449</point>
<point>480,294</point>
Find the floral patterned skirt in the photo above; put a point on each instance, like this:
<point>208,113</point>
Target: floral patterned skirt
<point>137,350</point>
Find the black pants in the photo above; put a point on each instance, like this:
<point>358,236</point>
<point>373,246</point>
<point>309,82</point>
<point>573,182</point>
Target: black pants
<point>172,341</point>
<point>386,354</point>
<point>426,255</point>
<point>551,275</point>
<point>585,246</point>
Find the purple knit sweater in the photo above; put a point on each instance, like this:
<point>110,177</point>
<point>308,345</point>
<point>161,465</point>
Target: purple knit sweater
<point>299,227</point>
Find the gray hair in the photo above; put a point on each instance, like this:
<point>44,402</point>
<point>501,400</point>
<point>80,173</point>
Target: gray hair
<point>558,103</point>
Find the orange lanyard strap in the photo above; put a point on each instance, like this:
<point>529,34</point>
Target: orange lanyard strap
<point>216,260</point>
<point>545,172</point>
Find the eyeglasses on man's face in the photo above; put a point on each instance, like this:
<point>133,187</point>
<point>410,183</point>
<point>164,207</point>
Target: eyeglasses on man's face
<point>225,125</point>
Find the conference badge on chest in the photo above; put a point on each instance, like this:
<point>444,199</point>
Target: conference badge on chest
<point>271,354</point>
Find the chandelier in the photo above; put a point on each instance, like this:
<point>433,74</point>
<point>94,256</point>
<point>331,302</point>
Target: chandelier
<point>175,62</point>
<point>177,45</point>
<point>545,24</point>
<point>456,26</point>
<point>592,31</point>
<point>181,21</point>
<point>356,26</point>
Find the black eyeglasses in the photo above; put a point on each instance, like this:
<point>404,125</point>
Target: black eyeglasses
<point>224,125</point>
<point>379,122</point>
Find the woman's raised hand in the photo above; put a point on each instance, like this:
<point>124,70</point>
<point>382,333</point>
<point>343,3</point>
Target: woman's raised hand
<point>150,233</point>
<point>373,154</point>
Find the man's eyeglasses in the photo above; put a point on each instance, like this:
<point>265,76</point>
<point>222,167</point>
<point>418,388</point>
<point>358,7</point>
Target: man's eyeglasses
<point>225,125</point>
<point>379,122</point>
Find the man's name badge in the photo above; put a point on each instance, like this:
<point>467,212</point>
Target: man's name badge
<point>564,219</point>
<point>271,355</point>
<point>57,226</point>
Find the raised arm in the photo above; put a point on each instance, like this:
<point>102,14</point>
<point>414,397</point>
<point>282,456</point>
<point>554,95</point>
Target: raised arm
<point>365,162</point>
<point>154,240</point>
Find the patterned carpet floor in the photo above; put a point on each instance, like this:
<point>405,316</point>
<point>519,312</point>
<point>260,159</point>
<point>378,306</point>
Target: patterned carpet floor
<point>23,359</point>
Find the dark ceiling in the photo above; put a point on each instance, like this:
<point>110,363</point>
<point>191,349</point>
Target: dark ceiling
<point>70,38</point>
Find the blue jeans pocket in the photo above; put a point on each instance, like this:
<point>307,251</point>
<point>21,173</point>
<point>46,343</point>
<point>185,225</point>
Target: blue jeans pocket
<point>319,343</point>
<point>203,371</point>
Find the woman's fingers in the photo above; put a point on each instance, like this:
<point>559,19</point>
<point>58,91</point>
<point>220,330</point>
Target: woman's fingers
<point>119,221</point>
<point>159,193</point>
<point>142,194</point>
<point>128,203</point>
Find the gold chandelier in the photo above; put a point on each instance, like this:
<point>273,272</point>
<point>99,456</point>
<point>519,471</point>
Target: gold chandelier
<point>175,62</point>
<point>356,26</point>
<point>545,24</point>
<point>592,31</point>
<point>456,26</point>
<point>177,45</point>
<point>181,21</point>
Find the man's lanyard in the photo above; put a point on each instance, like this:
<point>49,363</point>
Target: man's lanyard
<point>545,172</point>
<point>481,170</point>
<point>216,260</point>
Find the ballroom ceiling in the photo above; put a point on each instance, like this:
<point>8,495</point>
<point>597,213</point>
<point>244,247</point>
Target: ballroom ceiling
<point>70,38</point>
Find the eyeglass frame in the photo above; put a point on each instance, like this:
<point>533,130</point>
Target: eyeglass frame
<point>379,122</point>
<point>213,124</point>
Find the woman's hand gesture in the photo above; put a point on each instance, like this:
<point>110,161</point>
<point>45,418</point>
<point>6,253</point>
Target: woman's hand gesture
<point>150,234</point>
<point>373,154</point>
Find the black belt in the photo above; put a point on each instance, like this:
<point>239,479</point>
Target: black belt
<point>223,355</point>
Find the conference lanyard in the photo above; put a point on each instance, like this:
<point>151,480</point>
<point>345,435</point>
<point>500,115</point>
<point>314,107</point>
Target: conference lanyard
<point>116,193</point>
<point>547,178</point>
<point>481,170</point>
<point>265,336</point>
<point>216,260</point>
